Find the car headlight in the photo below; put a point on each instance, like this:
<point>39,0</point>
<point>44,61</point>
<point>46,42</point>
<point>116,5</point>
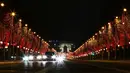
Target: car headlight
<point>25,58</point>
<point>60,58</point>
<point>39,57</point>
<point>30,57</point>
<point>44,56</point>
<point>53,57</point>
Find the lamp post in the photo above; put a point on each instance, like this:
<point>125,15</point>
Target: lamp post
<point>18,47</point>
<point>2,5</point>
<point>12,23</point>
<point>26,35</point>
<point>3,45</point>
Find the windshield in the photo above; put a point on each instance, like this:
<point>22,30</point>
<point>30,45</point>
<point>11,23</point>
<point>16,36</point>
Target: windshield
<point>49,53</point>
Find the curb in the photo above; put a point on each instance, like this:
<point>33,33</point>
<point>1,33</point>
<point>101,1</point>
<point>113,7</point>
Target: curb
<point>10,62</point>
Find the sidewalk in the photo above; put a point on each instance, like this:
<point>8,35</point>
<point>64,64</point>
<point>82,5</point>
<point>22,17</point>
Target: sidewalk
<point>118,65</point>
<point>10,62</point>
<point>106,61</point>
<point>110,61</point>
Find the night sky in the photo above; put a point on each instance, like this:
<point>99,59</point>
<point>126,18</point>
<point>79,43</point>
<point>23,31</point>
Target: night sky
<point>69,20</point>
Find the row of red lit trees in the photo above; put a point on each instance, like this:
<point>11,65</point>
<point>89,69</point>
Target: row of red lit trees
<point>111,42</point>
<point>16,37</point>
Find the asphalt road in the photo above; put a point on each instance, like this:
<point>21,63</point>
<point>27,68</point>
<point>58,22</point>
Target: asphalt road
<point>55,67</point>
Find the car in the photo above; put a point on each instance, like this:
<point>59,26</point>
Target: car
<point>33,58</point>
<point>49,56</point>
<point>28,58</point>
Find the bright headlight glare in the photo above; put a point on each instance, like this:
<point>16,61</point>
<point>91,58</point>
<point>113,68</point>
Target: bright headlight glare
<point>30,57</point>
<point>53,57</point>
<point>44,56</point>
<point>39,57</point>
<point>25,58</point>
<point>60,58</point>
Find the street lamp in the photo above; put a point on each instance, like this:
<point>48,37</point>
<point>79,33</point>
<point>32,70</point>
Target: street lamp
<point>26,25</point>
<point>102,27</point>
<point>29,29</point>
<point>20,20</point>
<point>12,23</point>
<point>123,23</point>
<point>26,48</point>
<point>95,33</point>
<point>100,32</point>
<point>2,4</point>
<point>13,14</point>
<point>129,42</point>
<point>23,47</point>
<point>109,23</point>
<point>1,42</point>
<point>17,46</point>
<point>118,45</point>
<point>34,32</point>
<point>7,43</point>
<point>124,9</point>
<point>6,46</point>
<point>39,37</point>
<point>116,17</point>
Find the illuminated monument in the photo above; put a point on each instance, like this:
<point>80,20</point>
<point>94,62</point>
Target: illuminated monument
<point>65,47</point>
